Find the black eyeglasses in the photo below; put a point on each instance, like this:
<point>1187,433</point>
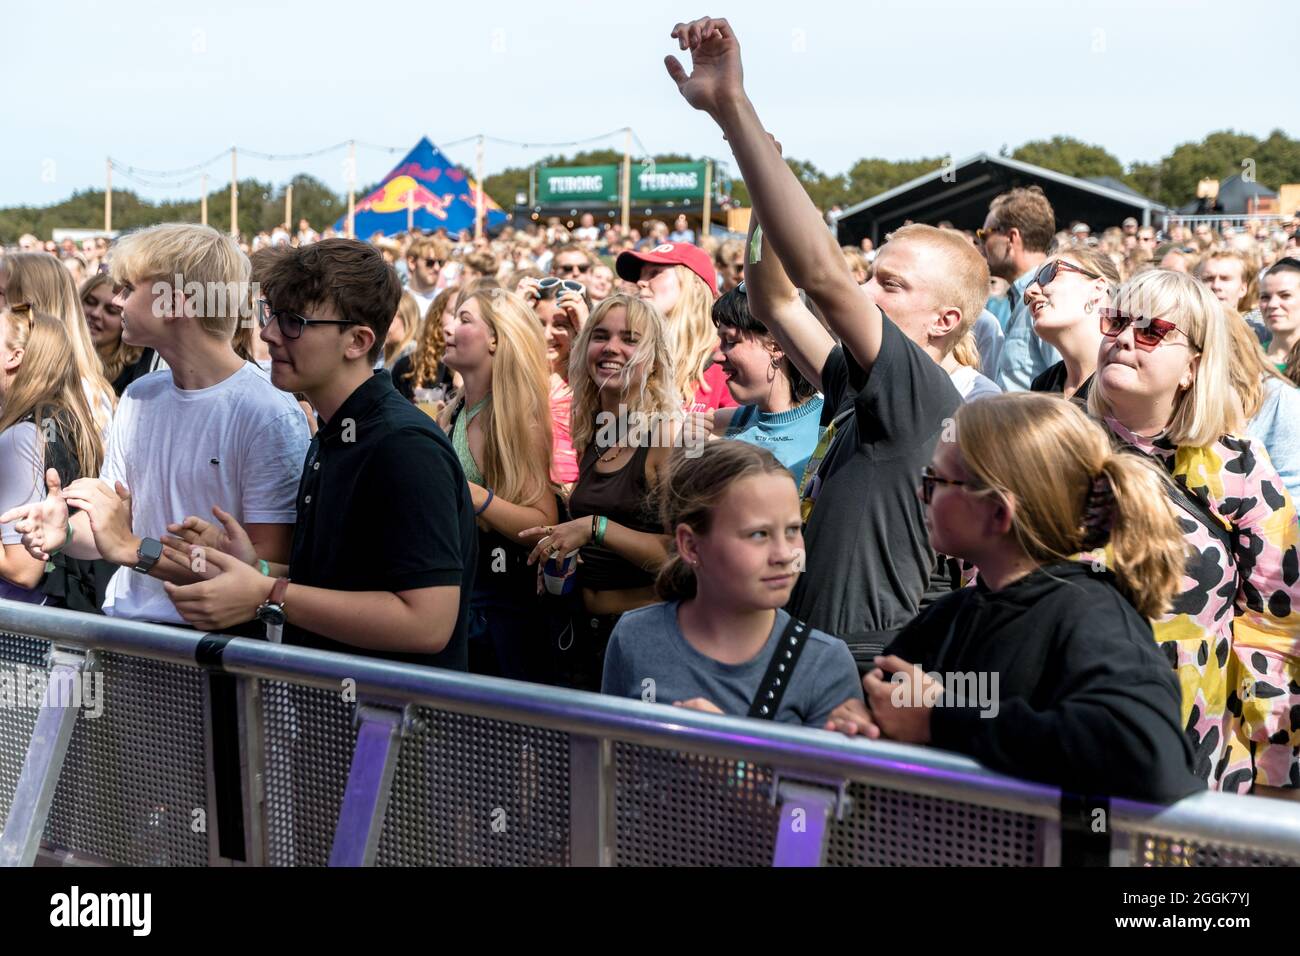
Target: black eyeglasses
<point>292,323</point>
<point>929,479</point>
<point>1050,268</point>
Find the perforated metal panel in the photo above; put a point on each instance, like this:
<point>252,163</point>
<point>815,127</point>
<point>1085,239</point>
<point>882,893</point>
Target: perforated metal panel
<point>894,828</point>
<point>134,776</point>
<point>1161,851</point>
<point>475,792</point>
<point>17,654</point>
<point>678,809</point>
<point>308,746</point>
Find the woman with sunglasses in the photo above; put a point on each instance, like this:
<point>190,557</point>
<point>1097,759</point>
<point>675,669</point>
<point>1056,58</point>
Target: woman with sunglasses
<point>1084,701</point>
<point>1164,390</point>
<point>561,305</point>
<point>1064,298</point>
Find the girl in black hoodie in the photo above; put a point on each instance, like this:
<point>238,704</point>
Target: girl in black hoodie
<point>1047,668</point>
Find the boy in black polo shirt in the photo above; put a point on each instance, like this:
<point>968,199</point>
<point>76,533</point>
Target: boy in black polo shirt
<point>384,545</point>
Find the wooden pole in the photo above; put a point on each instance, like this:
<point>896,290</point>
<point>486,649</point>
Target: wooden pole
<point>203,200</point>
<point>627,179</point>
<point>234,192</point>
<point>108,196</point>
<point>352,189</point>
<point>478,194</point>
<point>708,195</point>
<point>288,208</point>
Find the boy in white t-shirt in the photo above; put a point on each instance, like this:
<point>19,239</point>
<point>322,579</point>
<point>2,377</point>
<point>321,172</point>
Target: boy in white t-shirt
<point>209,428</point>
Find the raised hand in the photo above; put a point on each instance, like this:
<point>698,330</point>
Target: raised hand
<point>574,306</point>
<point>43,525</point>
<point>716,76</point>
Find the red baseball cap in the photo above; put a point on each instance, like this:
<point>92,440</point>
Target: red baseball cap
<point>628,264</point>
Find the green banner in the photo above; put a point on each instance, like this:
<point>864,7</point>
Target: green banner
<point>663,181</point>
<point>557,185</point>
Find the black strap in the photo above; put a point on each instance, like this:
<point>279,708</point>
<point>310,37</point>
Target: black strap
<point>780,668</point>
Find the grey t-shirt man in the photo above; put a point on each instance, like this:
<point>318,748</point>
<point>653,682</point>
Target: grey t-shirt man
<point>648,646</point>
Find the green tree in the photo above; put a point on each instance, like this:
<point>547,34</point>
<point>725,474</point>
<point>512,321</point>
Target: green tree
<point>1218,156</point>
<point>1064,154</point>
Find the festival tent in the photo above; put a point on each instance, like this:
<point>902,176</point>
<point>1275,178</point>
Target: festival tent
<point>425,191</point>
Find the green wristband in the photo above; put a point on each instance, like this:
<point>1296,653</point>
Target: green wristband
<point>601,524</point>
<point>67,541</point>
<point>264,567</point>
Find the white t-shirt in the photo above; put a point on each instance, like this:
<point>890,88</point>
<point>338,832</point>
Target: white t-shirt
<point>423,299</point>
<point>239,444</point>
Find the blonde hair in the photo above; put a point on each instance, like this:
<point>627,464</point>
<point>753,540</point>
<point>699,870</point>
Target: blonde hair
<point>188,254</point>
<point>48,388</point>
<point>408,310</point>
<point>647,386</point>
<point>1209,409</point>
<point>1250,369</point>
<point>691,487</point>
<point>1009,442</point>
<point>964,282</point>
<point>37,279</point>
<point>967,351</point>
<point>1249,275</point>
<point>694,336</point>
<point>516,420</point>
<point>116,357</point>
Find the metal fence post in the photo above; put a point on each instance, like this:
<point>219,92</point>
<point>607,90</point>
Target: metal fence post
<point>370,783</point>
<point>60,707</point>
<point>805,820</point>
<point>591,802</point>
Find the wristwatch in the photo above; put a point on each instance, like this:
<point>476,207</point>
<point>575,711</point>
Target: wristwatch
<point>271,611</point>
<point>147,554</point>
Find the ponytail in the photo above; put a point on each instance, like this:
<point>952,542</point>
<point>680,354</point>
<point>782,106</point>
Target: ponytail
<point>1146,544</point>
<point>676,580</point>
<point>966,351</point>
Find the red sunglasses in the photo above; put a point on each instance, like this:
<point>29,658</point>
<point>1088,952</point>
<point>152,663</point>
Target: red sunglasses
<point>1147,333</point>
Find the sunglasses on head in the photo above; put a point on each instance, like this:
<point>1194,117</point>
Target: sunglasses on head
<point>565,285</point>
<point>1050,268</point>
<point>1147,333</point>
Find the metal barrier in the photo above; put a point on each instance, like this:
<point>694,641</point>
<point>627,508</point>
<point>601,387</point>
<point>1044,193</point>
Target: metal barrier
<point>205,750</point>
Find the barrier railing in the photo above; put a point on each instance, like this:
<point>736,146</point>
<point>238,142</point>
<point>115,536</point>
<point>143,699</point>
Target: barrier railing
<point>127,743</point>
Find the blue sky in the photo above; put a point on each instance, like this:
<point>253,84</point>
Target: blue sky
<point>168,85</point>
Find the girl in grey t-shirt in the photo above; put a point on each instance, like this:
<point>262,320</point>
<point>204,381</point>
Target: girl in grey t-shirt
<point>733,512</point>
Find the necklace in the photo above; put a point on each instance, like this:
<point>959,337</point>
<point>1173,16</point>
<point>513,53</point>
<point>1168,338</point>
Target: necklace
<point>618,449</point>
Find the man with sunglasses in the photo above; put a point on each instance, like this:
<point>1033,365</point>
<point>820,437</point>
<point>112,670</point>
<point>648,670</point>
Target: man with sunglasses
<point>1014,240</point>
<point>571,262</point>
<point>425,258</point>
<point>209,429</point>
<point>384,547</point>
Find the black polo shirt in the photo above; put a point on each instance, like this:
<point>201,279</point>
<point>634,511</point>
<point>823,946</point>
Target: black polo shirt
<point>383,506</point>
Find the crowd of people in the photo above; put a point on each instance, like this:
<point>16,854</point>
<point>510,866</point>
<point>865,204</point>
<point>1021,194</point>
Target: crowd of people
<point>775,478</point>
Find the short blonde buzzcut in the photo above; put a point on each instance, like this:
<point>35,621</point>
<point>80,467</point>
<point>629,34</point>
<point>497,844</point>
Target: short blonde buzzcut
<point>197,258</point>
<point>964,283</point>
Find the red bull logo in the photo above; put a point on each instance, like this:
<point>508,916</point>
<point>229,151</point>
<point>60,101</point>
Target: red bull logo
<point>403,192</point>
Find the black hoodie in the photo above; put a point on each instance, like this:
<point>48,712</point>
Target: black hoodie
<point>1087,702</point>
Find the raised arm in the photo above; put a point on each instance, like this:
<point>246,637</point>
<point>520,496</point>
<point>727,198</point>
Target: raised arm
<point>791,222</point>
<point>774,301</point>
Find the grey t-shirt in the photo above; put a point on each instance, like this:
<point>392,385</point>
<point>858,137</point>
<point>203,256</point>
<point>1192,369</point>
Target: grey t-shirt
<point>648,645</point>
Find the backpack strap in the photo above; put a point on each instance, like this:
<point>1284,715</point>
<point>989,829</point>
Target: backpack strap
<point>780,668</point>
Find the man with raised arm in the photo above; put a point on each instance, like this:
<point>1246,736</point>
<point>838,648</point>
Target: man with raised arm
<point>868,556</point>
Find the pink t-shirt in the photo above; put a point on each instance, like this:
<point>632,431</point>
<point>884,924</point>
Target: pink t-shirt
<point>564,460</point>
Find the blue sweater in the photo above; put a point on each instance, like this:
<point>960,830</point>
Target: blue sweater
<point>791,436</point>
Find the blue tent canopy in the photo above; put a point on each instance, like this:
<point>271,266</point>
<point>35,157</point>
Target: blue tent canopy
<point>427,191</point>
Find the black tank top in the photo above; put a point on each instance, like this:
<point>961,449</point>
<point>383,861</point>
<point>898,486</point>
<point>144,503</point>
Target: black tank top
<point>622,496</point>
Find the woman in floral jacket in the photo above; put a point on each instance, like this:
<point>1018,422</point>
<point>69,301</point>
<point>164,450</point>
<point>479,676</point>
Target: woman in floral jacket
<point>1233,635</point>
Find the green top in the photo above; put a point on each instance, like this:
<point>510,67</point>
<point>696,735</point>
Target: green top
<point>460,442</point>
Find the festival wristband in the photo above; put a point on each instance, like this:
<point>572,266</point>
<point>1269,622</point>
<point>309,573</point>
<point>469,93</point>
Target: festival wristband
<point>264,566</point>
<point>601,525</point>
<point>488,501</point>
